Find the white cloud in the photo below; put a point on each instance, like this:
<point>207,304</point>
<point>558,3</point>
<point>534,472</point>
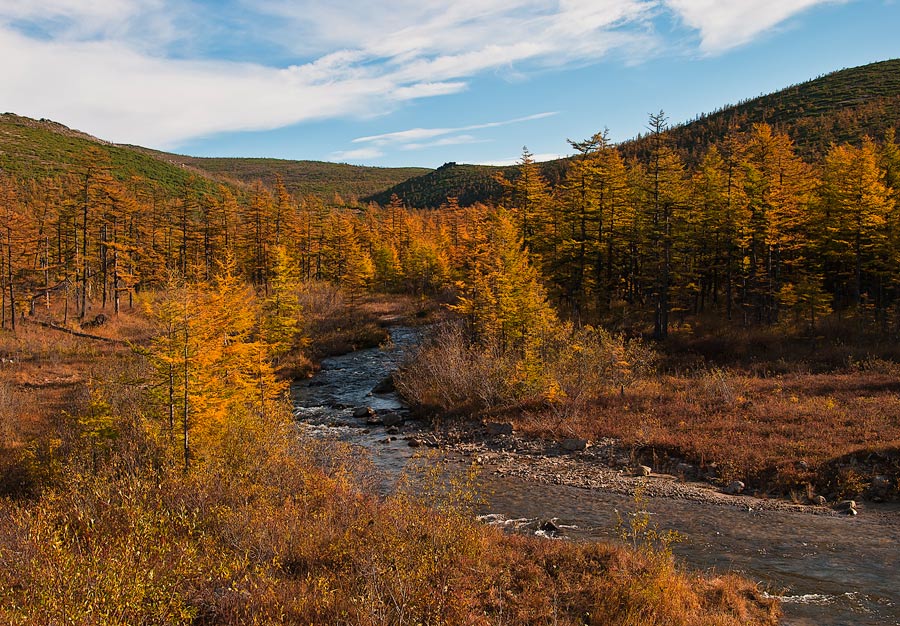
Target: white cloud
<point>455,140</point>
<point>146,23</point>
<point>417,134</point>
<point>138,70</point>
<point>361,154</point>
<point>725,24</point>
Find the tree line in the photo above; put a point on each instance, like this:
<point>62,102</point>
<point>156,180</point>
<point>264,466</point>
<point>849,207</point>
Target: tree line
<point>751,234</point>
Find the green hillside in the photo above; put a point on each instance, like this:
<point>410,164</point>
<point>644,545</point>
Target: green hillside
<point>843,106</point>
<point>300,177</point>
<point>38,148</point>
<point>468,183</point>
<point>839,107</point>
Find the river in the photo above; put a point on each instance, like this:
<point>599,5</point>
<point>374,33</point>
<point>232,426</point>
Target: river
<point>827,570</point>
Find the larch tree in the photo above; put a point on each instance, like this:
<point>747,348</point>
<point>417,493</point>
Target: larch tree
<point>281,310</point>
<point>856,206</point>
<point>665,197</point>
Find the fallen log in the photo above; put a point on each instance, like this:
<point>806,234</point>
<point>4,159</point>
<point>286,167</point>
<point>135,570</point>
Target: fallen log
<point>76,333</point>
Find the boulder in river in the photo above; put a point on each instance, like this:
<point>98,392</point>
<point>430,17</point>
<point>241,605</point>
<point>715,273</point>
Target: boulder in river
<point>574,445</point>
<point>847,507</point>
<point>496,428</point>
<point>734,487</point>
<point>391,419</point>
<point>550,529</point>
<point>385,386</point>
<point>643,470</point>
<point>363,411</point>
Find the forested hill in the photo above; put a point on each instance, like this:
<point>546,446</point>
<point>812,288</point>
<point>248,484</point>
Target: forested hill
<point>467,183</point>
<point>36,149</point>
<point>840,107</point>
<point>300,177</point>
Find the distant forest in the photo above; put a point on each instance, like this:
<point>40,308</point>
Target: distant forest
<point>751,235</point>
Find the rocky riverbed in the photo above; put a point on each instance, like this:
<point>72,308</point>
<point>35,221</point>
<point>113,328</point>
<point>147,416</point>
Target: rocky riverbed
<point>599,465</point>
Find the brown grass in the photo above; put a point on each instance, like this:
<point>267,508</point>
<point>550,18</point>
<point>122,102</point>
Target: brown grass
<point>337,323</point>
<point>45,373</point>
<point>781,433</point>
<point>785,427</point>
<point>270,528</point>
<point>282,540</point>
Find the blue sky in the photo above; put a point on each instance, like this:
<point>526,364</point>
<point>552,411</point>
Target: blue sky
<point>412,82</point>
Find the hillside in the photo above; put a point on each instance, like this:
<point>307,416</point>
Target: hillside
<point>36,148</point>
<point>468,183</point>
<point>839,107</point>
<point>300,177</point>
<point>39,148</point>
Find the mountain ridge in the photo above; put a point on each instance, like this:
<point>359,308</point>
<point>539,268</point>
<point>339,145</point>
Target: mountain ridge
<point>841,106</point>
<point>838,107</point>
<point>33,148</point>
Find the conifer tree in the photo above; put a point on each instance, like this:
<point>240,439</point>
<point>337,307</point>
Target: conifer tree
<point>856,205</point>
<point>665,199</point>
<point>281,311</point>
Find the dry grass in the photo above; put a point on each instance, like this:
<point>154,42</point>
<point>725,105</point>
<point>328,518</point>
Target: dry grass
<point>270,528</point>
<point>283,540</point>
<point>338,324</point>
<point>45,373</point>
<point>778,433</point>
<point>783,427</point>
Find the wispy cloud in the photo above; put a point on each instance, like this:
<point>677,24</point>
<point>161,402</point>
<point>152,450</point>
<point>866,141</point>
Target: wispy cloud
<point>358,155</point>
<point>418,134</point>
<point>455,140</point>
<point>725,24</point>
<point>148,71</point>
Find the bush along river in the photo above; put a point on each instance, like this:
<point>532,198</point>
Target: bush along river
<point>826,568</point>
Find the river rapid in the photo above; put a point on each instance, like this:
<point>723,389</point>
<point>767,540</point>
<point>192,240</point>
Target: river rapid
<point>826,570</point>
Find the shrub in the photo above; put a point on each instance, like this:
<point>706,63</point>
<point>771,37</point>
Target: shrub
<point>449,373</point>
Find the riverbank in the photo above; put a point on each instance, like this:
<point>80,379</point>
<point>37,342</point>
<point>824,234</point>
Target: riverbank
<point>602,465</point>
<point>777,430</point>
<point>791,553</point>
